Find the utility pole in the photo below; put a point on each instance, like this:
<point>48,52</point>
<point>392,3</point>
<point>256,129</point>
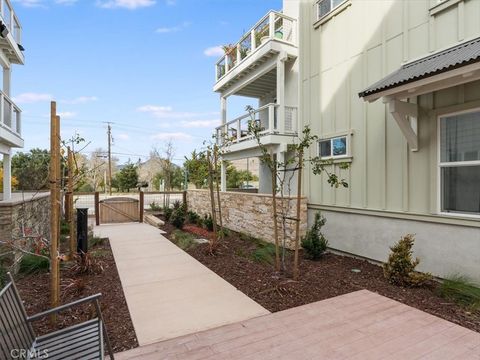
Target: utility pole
<point>109,135</point>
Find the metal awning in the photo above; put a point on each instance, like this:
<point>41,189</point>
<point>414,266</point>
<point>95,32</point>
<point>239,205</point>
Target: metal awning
<point>449,67</point>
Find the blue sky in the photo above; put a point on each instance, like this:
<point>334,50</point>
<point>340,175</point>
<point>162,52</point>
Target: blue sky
<point>142,64</point>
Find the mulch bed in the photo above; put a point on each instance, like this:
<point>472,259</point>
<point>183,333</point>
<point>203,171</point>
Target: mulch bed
<point>319,280</point>
<point>34,291</point>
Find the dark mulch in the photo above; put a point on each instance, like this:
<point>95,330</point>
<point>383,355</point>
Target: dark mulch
<point>329,277</point>
<point>34,290</point>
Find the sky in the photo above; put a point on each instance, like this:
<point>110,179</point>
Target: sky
<point>147,66</point>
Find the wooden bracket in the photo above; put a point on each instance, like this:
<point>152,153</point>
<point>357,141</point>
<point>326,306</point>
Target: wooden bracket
<point>406,116</point>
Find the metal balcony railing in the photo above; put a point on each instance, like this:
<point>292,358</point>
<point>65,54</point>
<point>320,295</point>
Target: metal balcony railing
<point>266,117</point>
<point>10,114</point>
<point>273,26</point>
<point>9,18</point>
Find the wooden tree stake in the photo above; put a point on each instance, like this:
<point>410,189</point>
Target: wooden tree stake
<point>213,244</point>
<point>69,204</point>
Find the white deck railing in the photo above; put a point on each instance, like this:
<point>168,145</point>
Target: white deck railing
<point>10,20</point>
<point>10,114</point>
<point>266,117</point>
<point>273,26</point>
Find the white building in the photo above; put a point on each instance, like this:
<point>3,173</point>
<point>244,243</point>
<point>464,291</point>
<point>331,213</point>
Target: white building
<point>10,115</point>
<point>393,88</point>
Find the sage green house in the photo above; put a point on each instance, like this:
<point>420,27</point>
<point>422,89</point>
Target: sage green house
<point>393,88</point>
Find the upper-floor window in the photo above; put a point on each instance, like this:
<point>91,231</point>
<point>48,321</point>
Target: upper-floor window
<point>459,164</point>
<point>326,6</point>
<point>336,147</point>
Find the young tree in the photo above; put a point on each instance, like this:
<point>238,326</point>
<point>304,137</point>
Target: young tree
<point>127,177</point>
<point>31,169</point>
<point>197,169</point>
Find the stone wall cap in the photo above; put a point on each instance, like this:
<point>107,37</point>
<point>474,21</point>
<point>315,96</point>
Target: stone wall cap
<point>20,198</point>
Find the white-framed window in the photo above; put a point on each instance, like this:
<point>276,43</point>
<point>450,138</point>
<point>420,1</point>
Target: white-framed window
<point>334,147</point>
<point>324,7</point>
<point>459,163</point>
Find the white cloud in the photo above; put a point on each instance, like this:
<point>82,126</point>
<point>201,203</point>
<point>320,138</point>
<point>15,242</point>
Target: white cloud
<point>27,98</point>
<point>180,136</point>
<point>30,3</point>
<point>67,114</point>
<point>200,123</point>
<point>125,4</point>
<point>172,29</point>
<point>122,136</point>
<point>167,112</point>
<point>214,51</point>
<point>65,2</point>
<point>80,100</point>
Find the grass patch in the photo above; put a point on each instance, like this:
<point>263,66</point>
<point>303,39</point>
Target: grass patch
<point>31,264</point>
<point>462,291</point>
<point>94,241</point>
<point>183,239</point>
<point>265,253</point>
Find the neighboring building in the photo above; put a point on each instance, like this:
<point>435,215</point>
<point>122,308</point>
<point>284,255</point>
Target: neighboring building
<point>412,138</point>
<point>10,115</point>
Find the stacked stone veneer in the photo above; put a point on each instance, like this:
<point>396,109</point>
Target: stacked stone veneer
<point>250,214</point>
<point>29,212</point>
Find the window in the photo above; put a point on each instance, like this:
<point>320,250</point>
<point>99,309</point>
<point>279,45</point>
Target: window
<point>326,6</point>
<point>459,164</point>
<point>334,147</point>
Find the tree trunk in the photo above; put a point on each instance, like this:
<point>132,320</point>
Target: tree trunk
<point>215,157</point>
<point>297,224</point>
<point>213,243</point>
<point>275,219</point>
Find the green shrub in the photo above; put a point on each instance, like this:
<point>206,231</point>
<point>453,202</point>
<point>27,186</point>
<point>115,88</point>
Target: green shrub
<point>167,212</point>
<point>265,253</point>
<point>154,206</point>
<point>208,222</point>
<point>314,243</point>
<point>193,217</point>
<point>178,218</point>
<point>64,228</point>
<point>461,290</point>
<point>400,267</point>
<point>183,240</point>
<point>31,264</point>
<point>177,204</point>
<point>94,241</point>
<point>223,232</point>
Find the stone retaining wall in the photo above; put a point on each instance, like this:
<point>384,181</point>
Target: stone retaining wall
<point>29,212</point>
<point>250,214</point>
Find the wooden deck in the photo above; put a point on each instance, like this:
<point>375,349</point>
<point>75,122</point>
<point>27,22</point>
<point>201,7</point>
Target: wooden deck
<point>359,325</point>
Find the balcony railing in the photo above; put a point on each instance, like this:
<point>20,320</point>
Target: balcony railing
<point>266,117</point>
<point>9,18</point>
<point>10,114</point>
<point>273,25</point>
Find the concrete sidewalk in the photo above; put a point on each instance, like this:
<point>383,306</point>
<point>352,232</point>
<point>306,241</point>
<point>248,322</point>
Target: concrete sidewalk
<point>168,292</point>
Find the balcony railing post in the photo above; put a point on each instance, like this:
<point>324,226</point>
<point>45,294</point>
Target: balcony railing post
<point>227,63</point>
<point>239,130</point>
<point>19,122</point>
<point>253,40</point>
<point>239,58</point>
<point>271,25</point>
<point>2,109</point>
<point>271,118</point>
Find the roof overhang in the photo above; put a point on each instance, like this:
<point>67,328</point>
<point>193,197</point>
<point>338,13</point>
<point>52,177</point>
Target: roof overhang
<point>447,79</point>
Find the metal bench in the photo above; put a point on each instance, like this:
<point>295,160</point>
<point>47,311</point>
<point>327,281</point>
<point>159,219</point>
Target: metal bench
<point>18,339</point>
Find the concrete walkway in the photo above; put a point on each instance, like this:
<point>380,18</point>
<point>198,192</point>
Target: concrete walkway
<point>359,325</point>
<point>168,292</point>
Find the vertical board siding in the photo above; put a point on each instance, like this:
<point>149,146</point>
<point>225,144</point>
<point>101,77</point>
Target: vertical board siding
<point>352,50</point>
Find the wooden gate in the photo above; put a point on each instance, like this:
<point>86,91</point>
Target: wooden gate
<point>119,210</point>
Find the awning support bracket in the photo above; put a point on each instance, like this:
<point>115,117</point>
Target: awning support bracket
<point>406,116</point>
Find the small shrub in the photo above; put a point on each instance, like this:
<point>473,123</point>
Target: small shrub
<point>193,217</point>
<point>177,204</point>
<point>31,264</point>
<point>400,267</point>
<point>64,228</point>
<point>314,243</point>
<point>74,287</point>
<point>87,264</point>
<point>461,290</point>
<point>223,233</point>
<point>94,241</point>
<point>167,212</point>
<point>178,218</point>
<point>154,206</point>
<point>183,240</point>
<point>208,222</point>
<point>265,253</point>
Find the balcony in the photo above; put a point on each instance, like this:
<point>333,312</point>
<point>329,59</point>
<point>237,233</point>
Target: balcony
<point>273,34</point>
<point>235,133</point>
<point>9,43</point>
<point>10,122</point>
